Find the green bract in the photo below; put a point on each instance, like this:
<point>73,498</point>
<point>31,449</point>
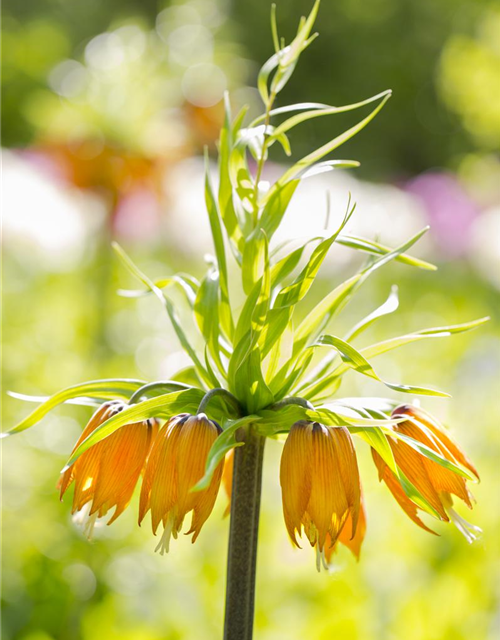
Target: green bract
<point>245,352</point>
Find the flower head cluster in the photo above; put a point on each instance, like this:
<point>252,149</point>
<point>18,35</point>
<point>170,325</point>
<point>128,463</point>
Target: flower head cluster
<point>319,476</point>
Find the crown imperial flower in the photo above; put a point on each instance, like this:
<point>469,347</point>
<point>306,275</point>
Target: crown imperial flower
<point>106,474</point>
<point>320,485</point>
<point>436,483</point>
<point>176,463</point>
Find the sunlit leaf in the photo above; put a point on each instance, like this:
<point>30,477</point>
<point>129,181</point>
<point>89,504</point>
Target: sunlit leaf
<point>110,389</point>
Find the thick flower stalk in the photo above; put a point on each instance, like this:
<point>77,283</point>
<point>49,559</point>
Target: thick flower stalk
<point>267,364</point>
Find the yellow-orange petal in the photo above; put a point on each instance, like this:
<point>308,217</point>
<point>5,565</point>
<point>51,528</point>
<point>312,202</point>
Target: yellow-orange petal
<point>205,502</point>
<point>295,476</point>
<point>328,506</point>
<point>122,461</point>
<point>438,430</point>
<point>349,472</point>
<point>442,479</point>
<point>412,465</point>
<point>227,479</point>
<point>394,486</point>
<point>353,543</point>
<point>164,483</point>
<point>99,416</point>
<point>197,437</point>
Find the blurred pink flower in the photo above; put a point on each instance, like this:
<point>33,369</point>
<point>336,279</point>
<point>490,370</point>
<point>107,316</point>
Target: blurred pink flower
<point>450,210</point>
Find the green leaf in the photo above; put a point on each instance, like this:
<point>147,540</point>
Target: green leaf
<point>290,108</point>
<point>327,148</point>
<point>335,301</point>
<point>241,180</point>
<point>82,401</point>
<point>206,311</point>
<point>276,207</point>
<point>378,441</point>
<point>355,360</point>
<point>188,375</point>
<point>325,166</point>
<point>333,380</point>
<point>284,267</point>
<point>253,258</point>
<point>369,246</point>
<point>110,389</point>
<point>249,385</point>
<point>127,261</point>
<point>286,379</point>
<point>222,445</point>
<point>226,205</point>
<point>164,406</point>
<point>301,39</point>
<point>323,110</point>
<point>274,421</point>
<point>394,343</point>
<point>389,306</point>
<point>226,319</point>
<point>292,294</point>
<point>186,283</point>
<point>333,417</point>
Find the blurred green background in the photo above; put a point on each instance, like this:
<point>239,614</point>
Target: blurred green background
<point>105,110</point>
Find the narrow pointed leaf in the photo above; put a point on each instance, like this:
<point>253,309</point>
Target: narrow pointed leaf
<point>110,389</point>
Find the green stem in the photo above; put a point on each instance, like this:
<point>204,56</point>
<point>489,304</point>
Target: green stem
<point>167,385</point>
<point>301,402</point>
<point>260,165</point>
<point>243,536</point>
<point>225,395</point>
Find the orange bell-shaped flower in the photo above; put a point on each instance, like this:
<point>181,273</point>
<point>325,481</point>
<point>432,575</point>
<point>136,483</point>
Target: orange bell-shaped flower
<point>106,474</point>
<point>177,462</point>
<point>436,483</point>
<point>320,484</point>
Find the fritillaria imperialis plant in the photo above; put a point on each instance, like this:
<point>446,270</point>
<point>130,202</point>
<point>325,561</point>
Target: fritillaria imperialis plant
<point>262,374</point>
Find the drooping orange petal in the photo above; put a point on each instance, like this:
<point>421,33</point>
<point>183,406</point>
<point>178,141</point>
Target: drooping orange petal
<point>196,438</point>
<point>349,472</point>
<point>159,490</point>
<point>99,416</point>
<point>443,480</point>
<point>439,432</point>
<point>122,462</point>
<point>327,507</point>
<point>205,502</point>
<point>227,479</point>
<point>412,465</point>
<point>295,476</point>
<point>387,476</point>
<point>345,538</point>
